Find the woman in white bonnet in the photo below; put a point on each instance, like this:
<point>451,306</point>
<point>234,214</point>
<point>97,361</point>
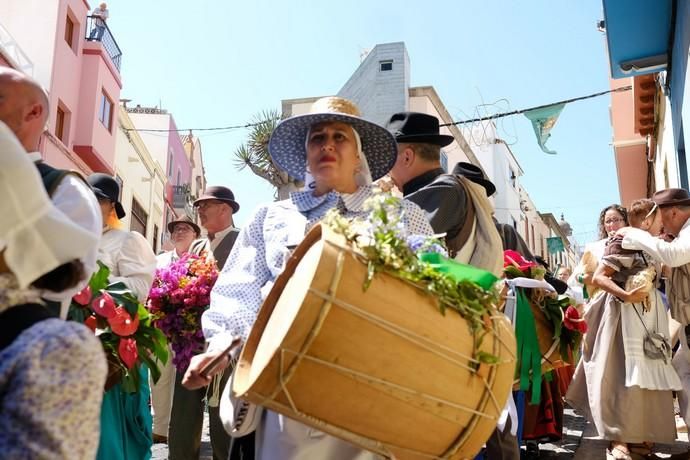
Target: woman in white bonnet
<point>338,154</point>
<point>51,371</point>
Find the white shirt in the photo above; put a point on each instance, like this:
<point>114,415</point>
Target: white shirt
<point>218,237</point>
<point>76,200</point>
<point>673,254</point>
<point>101,16</point>
<point>166,258</point>
<point>130,260</point>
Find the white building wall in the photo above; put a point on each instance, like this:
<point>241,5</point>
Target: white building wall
<point>666,172</point>
<point>37,37</point>
<point>142,178</point>
<point>156,142</point>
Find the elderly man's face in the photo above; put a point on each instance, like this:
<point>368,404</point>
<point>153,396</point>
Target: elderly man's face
<point>673,219</point>
<point>214,215</point>
<point>183,235</point>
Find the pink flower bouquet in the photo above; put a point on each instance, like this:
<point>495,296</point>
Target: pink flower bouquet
<point>180,294</point>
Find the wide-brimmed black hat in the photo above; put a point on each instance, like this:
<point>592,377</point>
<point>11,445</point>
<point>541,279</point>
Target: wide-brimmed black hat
<point>415,127</point>
<point>220,193</point>
<point>184,220</point>
<point>671,197</point>
<point>475,174</point>
<point>105,186</point>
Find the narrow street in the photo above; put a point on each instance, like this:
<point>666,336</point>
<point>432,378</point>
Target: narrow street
<point>579,442</point>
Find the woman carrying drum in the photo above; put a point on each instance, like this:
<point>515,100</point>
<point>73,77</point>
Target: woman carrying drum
<point>337,153</point>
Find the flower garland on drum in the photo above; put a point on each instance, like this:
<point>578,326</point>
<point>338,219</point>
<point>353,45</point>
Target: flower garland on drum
<point>382,241</point>
<point>123,326</point>
<point>180,294</point>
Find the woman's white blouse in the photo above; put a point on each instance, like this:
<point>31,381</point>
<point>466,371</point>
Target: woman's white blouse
<point>130,259</point>
<point>262,249</point>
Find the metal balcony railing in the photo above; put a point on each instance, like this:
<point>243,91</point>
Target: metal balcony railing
<point>97,30</point>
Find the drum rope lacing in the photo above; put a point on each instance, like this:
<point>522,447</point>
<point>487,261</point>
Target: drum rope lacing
<point>329,300</point>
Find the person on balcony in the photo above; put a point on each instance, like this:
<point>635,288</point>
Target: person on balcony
<point>99,16</point>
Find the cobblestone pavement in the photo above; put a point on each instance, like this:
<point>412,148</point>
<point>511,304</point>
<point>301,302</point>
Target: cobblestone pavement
<point>160,451</point>
<point>579,443</point>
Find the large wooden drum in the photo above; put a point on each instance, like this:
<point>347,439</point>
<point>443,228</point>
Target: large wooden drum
<point>383,369</point>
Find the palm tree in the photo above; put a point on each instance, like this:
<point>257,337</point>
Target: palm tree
<point>254,155</point>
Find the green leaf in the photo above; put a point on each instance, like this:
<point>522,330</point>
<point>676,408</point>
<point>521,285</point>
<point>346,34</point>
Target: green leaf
<point>99,280</point>
<point>151,364</point>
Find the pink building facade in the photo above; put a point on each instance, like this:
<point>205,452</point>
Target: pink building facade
<point>169,151</point>
<point>82,79</point>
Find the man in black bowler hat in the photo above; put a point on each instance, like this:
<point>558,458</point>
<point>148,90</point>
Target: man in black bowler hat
<point>215,206</point>
<point>457,205</point>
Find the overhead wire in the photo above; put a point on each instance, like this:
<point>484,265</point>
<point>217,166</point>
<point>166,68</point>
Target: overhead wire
<point>453,123</point>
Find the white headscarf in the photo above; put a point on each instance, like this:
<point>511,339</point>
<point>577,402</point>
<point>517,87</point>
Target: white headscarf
<point>363,175</point>
<point>36,237</point>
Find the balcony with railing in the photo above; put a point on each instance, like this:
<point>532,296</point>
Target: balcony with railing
<point>97,30</point>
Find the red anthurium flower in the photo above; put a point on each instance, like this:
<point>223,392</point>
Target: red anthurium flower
<point>83,297</point>
<point>91,323</point>
<point>511,257</point>
<point>104,305</point>
<point>573,321</point>
<point>122,323</point>
<point>127,349</point>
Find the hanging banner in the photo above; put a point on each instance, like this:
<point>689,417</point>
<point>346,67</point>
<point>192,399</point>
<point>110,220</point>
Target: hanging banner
<point>543,120</point>
<point>554,245</point>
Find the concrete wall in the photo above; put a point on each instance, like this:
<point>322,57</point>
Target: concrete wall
<point>379,94</point>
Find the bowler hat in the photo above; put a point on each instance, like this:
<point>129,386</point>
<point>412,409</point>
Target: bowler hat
<point>106,187</point>
<point>287,145</point>
<point>475,174</point>
<point>184,220</point>
<point>415,127</point>
<point>671,197</point>
<point>220,193</point>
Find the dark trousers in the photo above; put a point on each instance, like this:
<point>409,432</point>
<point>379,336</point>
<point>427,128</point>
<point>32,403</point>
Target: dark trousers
<point>186,423</point>
<point>242,448</point>
<point>502,445</point>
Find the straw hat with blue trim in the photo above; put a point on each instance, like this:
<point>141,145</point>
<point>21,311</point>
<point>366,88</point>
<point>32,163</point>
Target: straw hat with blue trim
<point>287,145</point>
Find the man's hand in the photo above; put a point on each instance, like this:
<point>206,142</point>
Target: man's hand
<point>194,379</point>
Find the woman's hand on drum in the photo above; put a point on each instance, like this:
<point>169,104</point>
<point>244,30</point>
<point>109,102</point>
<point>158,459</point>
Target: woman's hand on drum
<point>636,295</point>
<point>194,377</point>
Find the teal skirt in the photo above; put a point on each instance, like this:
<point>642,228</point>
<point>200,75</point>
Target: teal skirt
<point>126,424</point>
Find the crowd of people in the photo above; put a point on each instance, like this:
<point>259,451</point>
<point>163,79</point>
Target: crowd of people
<point>59,397</point>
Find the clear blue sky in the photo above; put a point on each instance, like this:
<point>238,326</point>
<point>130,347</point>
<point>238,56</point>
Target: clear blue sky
<point>218,63</point>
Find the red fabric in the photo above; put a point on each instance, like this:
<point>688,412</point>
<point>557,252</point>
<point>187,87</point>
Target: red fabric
<point>544,422</point>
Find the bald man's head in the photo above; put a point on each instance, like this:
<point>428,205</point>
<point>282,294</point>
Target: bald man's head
<point>23,107</point>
